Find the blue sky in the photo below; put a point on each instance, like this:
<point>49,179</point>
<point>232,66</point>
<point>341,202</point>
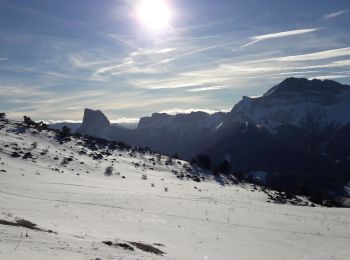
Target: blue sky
<point>58,57</point>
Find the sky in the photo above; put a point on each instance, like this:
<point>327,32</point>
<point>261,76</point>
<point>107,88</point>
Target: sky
<point>130,58</point>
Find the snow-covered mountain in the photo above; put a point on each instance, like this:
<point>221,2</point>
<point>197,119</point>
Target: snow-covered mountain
<point>296,109</point>
<point>310,104</point>
<point>61,200</point>
<point>299,128</point>
<point>298,125</point>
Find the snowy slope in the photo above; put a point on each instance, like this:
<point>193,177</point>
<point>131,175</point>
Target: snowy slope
<point>192,220</point>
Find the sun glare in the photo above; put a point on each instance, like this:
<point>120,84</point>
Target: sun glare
<point>154,14</point>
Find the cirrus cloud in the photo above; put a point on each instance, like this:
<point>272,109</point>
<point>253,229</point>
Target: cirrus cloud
<point>259,38</point>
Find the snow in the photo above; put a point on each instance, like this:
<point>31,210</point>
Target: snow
<point>192,220</point>
<point>270,112</point>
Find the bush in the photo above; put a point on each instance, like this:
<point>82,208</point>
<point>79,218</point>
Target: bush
<point>144,176</point>
<point>44,152</point>
<point>2,116</point>
<point>28,121</point>
<point>64,134</point>
<point>109,171</point>
<point>15,155</point>
<point>66,131</point>
<point>34,145</point>
<point>65,161</point>
<point>166,189</point>
<point>27,155</point>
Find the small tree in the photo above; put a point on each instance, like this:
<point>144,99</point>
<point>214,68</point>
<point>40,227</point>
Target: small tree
<point>64,134</point>
<point>109,171</point>
<point>66,131</point>
<point>2,116</point>
<point>27,120</point>
<point>34,145</point>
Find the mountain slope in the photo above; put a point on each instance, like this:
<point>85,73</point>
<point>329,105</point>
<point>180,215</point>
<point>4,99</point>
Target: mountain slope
<point>188,220</point>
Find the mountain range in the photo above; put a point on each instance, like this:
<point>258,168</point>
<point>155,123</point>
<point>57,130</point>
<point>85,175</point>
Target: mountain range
<point>297,126</point>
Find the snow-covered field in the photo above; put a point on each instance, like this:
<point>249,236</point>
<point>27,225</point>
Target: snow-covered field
<point>183,218</point>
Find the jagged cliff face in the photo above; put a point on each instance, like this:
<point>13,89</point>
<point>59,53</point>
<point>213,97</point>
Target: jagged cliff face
<point>182,133</point>
<point>96,124</point>
<point>165,133</point>
<point>307,120</point>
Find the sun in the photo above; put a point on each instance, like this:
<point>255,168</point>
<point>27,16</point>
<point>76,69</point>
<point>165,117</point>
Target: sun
<point>154,14</point>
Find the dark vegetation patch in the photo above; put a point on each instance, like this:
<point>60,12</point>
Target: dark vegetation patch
<point>147,248</point>
<point>24,223</point>
<point>125,246</point>
<point>108,243</point>
<point>142,246</point>
<point>286,197</point>
<point>122,245</point>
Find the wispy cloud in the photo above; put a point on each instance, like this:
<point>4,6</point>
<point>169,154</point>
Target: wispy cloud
<point>264,37</point>
<point>166,50</point>
<point>50,122</point>
<point>73,108</point>
<point>192,52</point>
<point>122,40</point>
<point>125,120</point>
<point>3,59</point>
<point>205,25</point>
<point>334,53</point>
<point>336,14</point>
<point>22,91</point>
<point>182,80</point>
<point>331,77</point>
<point>207,88</point>
<point>190,110</point>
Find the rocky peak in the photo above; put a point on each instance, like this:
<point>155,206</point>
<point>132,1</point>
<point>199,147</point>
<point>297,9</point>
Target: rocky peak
<point>95,123</point>
<point>95,119</point>
<point>303,86</point>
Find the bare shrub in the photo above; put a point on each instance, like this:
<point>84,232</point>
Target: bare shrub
<point>109,171</point>
<point>34,145</point>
